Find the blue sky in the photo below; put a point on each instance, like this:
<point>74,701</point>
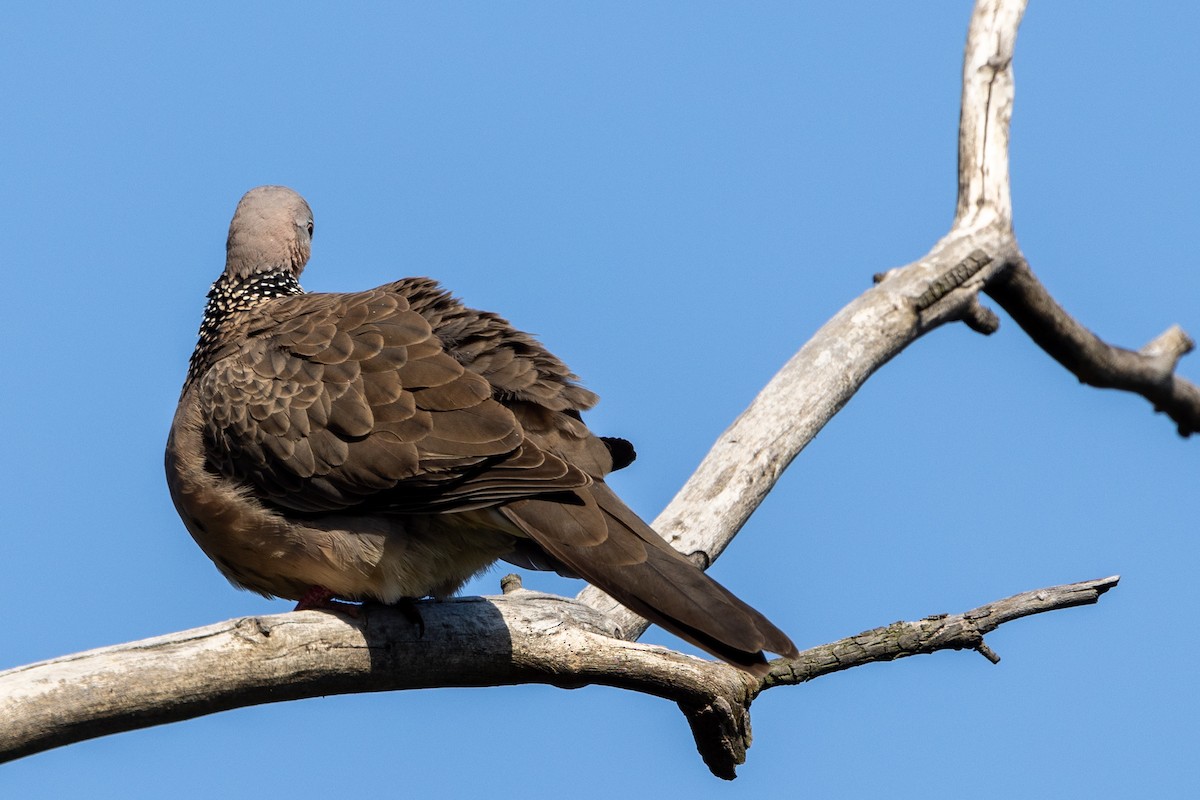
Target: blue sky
<point>673,196</point>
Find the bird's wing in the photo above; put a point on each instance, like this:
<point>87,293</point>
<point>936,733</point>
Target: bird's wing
<point>336,401</point>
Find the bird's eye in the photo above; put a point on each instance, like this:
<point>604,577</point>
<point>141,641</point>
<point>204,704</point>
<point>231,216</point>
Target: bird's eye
<point>310,229</point>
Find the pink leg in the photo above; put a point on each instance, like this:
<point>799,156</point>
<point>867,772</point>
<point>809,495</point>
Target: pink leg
<point>318,598</point>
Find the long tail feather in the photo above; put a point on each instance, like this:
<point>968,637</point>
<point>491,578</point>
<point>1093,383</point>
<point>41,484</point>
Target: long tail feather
<point>608,545</point>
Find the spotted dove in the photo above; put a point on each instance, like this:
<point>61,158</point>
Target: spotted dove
<point>391,444</point>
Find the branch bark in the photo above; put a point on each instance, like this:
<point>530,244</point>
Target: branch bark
<point>524,637</point>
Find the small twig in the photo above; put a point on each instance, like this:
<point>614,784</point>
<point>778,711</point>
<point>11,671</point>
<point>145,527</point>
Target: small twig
<point>987,652</point>
<point>941,632</point>
<point>980,318</point>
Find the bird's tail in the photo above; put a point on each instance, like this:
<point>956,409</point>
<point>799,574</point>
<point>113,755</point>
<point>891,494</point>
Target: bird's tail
<point>600,538</point>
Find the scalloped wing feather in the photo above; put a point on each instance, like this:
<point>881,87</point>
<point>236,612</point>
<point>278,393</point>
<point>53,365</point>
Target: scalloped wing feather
<point>337,401</point>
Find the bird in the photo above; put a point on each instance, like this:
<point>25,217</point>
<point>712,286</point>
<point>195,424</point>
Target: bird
<point>390,444</point>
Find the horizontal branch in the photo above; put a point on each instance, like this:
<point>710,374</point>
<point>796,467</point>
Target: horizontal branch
<point>1149,372</point>
<point>519,638</point>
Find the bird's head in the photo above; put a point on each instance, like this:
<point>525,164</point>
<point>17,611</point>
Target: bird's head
<point>271,231</point>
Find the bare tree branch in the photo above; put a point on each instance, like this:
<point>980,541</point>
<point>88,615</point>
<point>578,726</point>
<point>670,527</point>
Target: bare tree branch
<point>939,632</point>
<point>520,637</point>
<point>984,199</point>
<point>1149,372</point>
<point>983,123</point>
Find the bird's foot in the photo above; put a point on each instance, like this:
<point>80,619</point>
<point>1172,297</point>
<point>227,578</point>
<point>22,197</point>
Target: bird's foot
<point>318,598</point>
